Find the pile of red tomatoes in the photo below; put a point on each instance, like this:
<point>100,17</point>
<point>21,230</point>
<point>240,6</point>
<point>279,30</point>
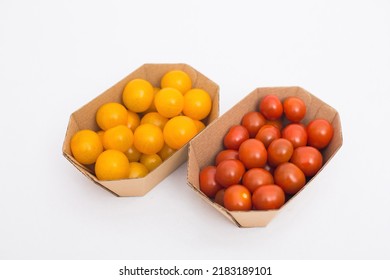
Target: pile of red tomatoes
<point>268,157</point>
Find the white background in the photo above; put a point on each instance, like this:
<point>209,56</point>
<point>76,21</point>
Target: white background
<point>55,56</point>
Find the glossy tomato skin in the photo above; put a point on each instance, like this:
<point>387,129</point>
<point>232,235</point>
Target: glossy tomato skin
<point>257,177</point>
<point>235,136</point>
<point>237,198</point>
<point>229,172</point>
<point>279,151</point>
<point>294,109</point>
<point>253,121</point>
<point>252,153</point>
<point>289,177</point>
<point>268,197</point>
<point>320,133</point>
<point>226,154</point>
<point>296,134</point>
<point>268,133</point>
<point>308,159</point>
<point>277,123</point>
<point>207,183</point>
<point>219,197</point>
<point>271,107</point>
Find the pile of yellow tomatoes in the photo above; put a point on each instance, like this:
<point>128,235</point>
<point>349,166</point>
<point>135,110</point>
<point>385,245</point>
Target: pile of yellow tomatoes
<point>146,128</point>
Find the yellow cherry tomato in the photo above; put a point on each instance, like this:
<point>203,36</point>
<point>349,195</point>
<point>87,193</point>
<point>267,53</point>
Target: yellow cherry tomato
<point>138,95</point>
<point>169,102</point>
<point>111,114</point>
<point>133,120</point>
<point>150,161</point>
<point>166,152</point>
<point>199,125</point>
<point>197,104</point>
<point>133,154</point>
<point>137,170</point>
<point>118,138</point>
<point>178,131</point>
<point>154,118</point>
<point>148,139</point>
<point>86,146</point>
<point>177,79</point>
<point>152,107</point>
<point>112,165</point>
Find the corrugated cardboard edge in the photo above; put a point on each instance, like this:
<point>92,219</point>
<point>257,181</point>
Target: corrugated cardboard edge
<point>153,73</point>
<point>214,133</point>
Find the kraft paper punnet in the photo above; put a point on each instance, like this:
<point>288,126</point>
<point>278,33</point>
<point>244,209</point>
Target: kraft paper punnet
<point>84,118</point>
<point>205,146</point>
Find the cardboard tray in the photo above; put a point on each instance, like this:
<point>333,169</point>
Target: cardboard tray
<point>84,118</point>
<point>205,146</point>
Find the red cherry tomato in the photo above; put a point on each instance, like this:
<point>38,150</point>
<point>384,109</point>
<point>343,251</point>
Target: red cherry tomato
<point>271,107</point>
<point>237,198</point>
<point>319,133</point>
<point>267,134</point>
<point>220,196</point>
<point>277,123</point>
<point>252,121</point>
<point>289,177</point>
<point>296,134</point>
<point>279,151</point>
<point>226,154</point>
<point>229,172</point>
<point>294,109</point>
<point>252,153</point>
<point>257,177</point>
<point>235,136</point>
<point>207,183</point>
<point>268,197</point>
<point>308,159</point>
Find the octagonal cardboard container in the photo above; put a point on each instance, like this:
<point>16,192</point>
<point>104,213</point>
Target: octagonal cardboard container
<point>204,147</point>
<point>84,118</point>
